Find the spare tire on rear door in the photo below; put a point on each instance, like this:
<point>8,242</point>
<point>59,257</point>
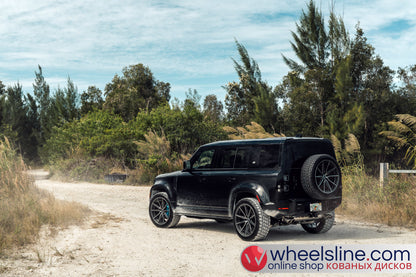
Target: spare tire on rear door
<point>321,176</point>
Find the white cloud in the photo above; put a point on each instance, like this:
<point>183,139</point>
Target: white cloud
<point>188,43</point>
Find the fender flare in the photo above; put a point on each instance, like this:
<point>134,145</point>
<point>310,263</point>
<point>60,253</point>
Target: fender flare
<point>164,187</point>
<point>252,189</point>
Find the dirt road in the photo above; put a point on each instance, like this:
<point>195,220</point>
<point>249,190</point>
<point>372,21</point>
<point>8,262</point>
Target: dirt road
<point>125,243</point>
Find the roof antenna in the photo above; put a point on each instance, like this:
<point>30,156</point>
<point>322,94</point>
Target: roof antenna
<point>298,136</point>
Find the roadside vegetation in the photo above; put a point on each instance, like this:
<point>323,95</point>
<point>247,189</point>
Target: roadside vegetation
<point>23,207</point>
<point>338,87</point>
<point>364,199</point>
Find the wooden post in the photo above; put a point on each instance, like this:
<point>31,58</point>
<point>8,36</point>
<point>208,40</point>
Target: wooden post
<point>384,174</point>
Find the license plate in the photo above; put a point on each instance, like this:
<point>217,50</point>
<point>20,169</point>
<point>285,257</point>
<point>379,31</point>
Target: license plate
<point>316,207</point>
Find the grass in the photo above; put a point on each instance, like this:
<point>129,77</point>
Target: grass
<point>23,207</point>
<point>365,200</point>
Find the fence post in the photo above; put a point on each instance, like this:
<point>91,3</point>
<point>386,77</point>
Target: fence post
<point>384,174</point>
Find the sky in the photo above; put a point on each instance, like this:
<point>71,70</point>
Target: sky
<point>188,43</point>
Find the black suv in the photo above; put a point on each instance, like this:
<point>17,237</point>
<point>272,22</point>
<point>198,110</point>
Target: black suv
<point>255,183</point>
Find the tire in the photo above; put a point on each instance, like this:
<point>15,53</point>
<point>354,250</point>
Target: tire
<point>250,222</point>
<point>321,226</point>
<point>161,212</point>
<point>321,176</point>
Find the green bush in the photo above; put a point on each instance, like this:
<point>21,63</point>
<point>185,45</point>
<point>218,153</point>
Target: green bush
<point>98,134</point>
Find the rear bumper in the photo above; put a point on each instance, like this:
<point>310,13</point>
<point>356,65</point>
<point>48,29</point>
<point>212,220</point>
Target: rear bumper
<point>299,207</point>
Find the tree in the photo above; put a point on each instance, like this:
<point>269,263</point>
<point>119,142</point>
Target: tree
<point>65,104</point>
<point>2,92</point>
<point>91,100</point>
<point>42,97</point>
<point>71,100</point>
<point>2,88</point>
<point>403,134</point>
<point>240,97</point>
<point>406,94</point>
<point>266,110</point>
<point>213,108</point>
<point>134,91</point>
<point>300,111</point>
<point>17,126</point>
<point>319,53</point>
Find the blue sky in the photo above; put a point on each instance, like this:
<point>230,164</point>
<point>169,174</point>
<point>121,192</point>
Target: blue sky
<point>188,43</point>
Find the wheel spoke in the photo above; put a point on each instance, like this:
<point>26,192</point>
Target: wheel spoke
<point>327,176</point>
<point>160,211</point>
<point>245,220</point>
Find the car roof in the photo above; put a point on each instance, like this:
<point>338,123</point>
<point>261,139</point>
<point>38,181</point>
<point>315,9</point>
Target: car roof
<point>273,140</point>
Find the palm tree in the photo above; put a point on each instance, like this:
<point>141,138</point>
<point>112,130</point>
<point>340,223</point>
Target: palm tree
<point>403,134</point>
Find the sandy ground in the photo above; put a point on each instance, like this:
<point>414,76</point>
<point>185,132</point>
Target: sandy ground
<point>124,242</point>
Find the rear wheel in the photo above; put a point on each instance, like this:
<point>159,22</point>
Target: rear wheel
<point>320,226</point>
<point>161,212</point>
<point>250,222</point>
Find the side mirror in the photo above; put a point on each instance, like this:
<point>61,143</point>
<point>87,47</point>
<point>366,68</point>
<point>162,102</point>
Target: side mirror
<point>187,165</point>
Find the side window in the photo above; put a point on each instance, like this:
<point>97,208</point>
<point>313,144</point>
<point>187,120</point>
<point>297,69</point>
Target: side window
<point>245,158</point>
<point>204,160</point>
<point>226,158</point>
<point>269,156</point>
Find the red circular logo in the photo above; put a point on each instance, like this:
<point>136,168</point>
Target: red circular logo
<point>254,258</point>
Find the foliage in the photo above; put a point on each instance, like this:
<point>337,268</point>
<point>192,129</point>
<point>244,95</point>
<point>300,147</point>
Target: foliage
<point>97,134</point>
<point>80,167</point>
<point>364,199</point>
<point>134,91</point>
<point>252,131</point>
<point>251,97</point>
<point>23,207</point>
<point>91,100</point>
<point>156,157</point>
<point>213,108</point>
<point>348,152</point>
<point>185,129</point>
<point>403,134</point>
<point>43,104</point>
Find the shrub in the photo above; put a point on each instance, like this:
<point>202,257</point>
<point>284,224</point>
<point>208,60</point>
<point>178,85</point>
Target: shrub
<point>23,207</point>
<point>156,157</point>
<point>364,199</point>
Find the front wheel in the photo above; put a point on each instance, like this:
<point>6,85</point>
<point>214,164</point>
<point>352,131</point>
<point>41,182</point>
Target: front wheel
<point>320,226</point>
<point>161,212</point>
<point>250,222</point>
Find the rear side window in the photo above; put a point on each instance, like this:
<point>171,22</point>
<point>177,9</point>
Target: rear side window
<point>226,158</point>
<point>245,158</point>
<point>269,156</point>
<point>256,157</point>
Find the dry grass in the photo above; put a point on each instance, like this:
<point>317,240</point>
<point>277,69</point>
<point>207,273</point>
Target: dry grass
<point>23,207</point>
<point>364,199</point>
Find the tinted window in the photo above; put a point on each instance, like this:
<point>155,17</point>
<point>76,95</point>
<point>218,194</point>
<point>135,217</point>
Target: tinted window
<point>262,157</point>
<point>269,156</point>
<point>245,158</point>
<point>226,158</point>
<point>204,160</point>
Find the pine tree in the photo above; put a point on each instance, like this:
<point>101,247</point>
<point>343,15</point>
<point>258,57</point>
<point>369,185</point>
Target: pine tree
<point>319,53</point>
<point>43,100</point>
<point>242,96</point>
